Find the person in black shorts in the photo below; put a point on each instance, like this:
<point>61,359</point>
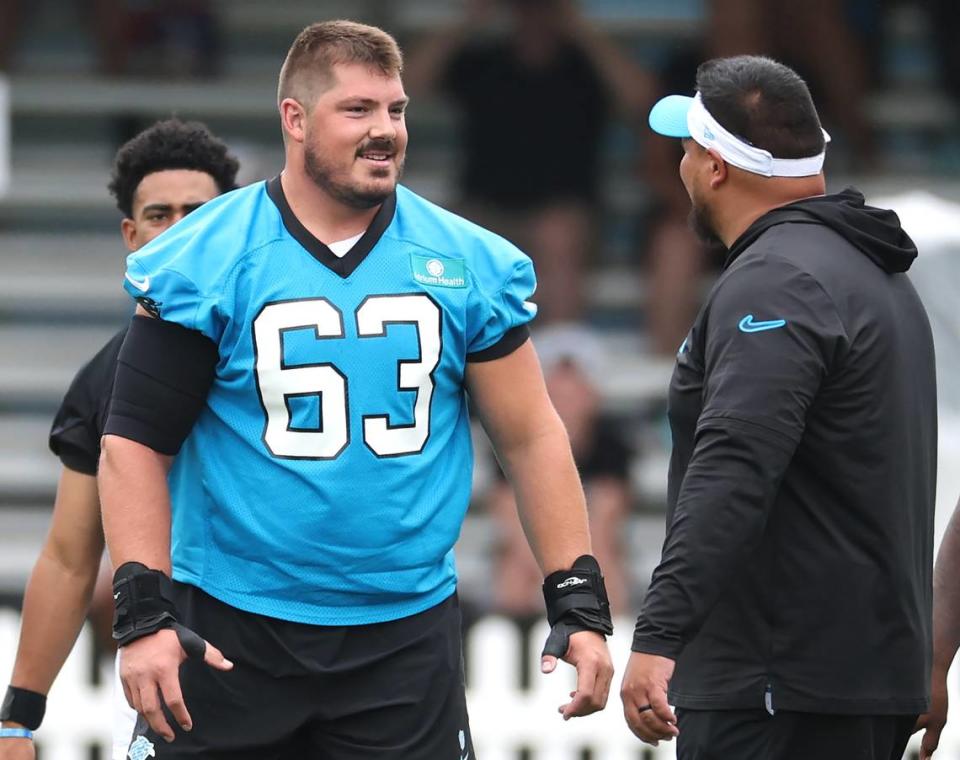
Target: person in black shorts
<point>159,176</point>
<point>287,461</point>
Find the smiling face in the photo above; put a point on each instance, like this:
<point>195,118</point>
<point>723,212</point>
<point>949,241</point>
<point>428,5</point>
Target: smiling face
<point>355,136</point>
<point>162,199</point>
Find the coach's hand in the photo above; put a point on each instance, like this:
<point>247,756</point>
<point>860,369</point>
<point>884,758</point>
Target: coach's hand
<point>589,654</point>
<point>933,721</point>
<point>17,749</point>
<point>150,674</point>
<point>644,696</point>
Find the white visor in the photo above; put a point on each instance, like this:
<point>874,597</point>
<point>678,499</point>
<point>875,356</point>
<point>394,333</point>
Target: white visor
<point>708,132</point>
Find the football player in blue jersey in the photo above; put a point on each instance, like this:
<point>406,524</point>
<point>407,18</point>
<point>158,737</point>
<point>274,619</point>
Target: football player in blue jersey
<point>161,175</point>
<point>305,346</point>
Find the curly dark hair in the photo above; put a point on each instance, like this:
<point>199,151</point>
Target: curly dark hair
<point>170,144</point>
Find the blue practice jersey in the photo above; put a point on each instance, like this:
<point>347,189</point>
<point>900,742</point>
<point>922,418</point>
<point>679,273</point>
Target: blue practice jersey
<point>328,476</point>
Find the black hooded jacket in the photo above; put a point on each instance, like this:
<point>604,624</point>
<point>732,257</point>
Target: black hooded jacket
<point>796,572</point>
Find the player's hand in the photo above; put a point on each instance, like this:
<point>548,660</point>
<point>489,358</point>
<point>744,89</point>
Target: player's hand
<point>589,654</point>
<point>933,721</point>
<point>17,749</point>
<point>644,696</point>
<point>150,674</point>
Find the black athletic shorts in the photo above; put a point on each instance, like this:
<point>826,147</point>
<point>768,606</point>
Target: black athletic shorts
<point>786,735</point>
<point>389,691</point>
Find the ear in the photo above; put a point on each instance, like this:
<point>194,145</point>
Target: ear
<point>717,169</point>
<point>128,229</point>
<point>293,118</point>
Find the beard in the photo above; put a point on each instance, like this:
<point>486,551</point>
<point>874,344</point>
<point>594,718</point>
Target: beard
<point>354,194</point>
<point>701,222</point>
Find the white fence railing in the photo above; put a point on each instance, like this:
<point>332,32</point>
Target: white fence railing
<point>504,718</point>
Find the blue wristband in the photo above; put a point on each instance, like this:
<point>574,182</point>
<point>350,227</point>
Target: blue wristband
<point>16,733</point>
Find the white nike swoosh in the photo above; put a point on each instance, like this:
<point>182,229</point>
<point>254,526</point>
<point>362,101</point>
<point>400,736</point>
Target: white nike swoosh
<point>143,285</point>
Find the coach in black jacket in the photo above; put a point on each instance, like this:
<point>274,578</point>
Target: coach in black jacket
<point>793,595</point>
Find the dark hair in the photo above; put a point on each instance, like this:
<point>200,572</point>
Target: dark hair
<point>308,67</point>
<point>170,144</point>
<point>762,102</point>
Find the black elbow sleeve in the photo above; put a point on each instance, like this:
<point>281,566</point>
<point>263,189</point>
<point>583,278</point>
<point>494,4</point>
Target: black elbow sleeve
<point>164,372</point>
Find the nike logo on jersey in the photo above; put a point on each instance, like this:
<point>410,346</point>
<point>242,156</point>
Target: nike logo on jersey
<point>141,285</point>
<point>747,324</point>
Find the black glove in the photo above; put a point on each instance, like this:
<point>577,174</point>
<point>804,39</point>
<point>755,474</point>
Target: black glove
<point>576,601</point>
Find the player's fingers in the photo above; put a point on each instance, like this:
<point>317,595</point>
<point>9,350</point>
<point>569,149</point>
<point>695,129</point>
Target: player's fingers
<point>556,646</point>
<point>632,714</point>
<point>586,698</point>
<point>929,743</point>
<point>653,714</point>
<point>173,699</point>
<point>190,642</point>
<point>660,707</point>
<point>128,694</point>
<point>215,659</point>
<point>151,710</point>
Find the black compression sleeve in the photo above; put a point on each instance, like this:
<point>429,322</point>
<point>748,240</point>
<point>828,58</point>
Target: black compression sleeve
<point>164,373</point>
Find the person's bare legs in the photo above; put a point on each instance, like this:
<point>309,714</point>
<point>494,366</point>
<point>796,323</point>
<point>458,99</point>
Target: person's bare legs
<point>108,22</point>
<point>814,34</point>
<point>674,258</point>
<point>609,500</point>
<point>560,240</point>
<point>675,266</point>
<point>11,20</point>
<point>736,27</point>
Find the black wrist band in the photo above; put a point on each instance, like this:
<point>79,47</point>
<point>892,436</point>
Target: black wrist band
<point>578,596</point>
<point>143,599</point>
<point>24,707</point>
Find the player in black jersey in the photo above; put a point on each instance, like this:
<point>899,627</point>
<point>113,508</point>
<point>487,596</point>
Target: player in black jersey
<point>159,176</point>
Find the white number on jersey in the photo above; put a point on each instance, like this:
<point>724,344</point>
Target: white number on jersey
<point>277,383</point>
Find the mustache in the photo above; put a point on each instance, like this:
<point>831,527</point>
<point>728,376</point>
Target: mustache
<point>378,146</point>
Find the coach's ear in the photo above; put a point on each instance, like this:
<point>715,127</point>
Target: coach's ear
<point>293,118</point>
<point>717,169</point>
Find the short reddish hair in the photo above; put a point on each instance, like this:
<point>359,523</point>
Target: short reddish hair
<point>308,68</point>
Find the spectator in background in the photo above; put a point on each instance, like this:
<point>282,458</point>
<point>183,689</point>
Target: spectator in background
<point>945,24</point>
<point>146,37</point>
<point>817,38</point>
<point>573,364</point>
<point>536,103</point>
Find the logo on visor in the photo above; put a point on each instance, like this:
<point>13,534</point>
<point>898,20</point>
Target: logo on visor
<point>708,135</point>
